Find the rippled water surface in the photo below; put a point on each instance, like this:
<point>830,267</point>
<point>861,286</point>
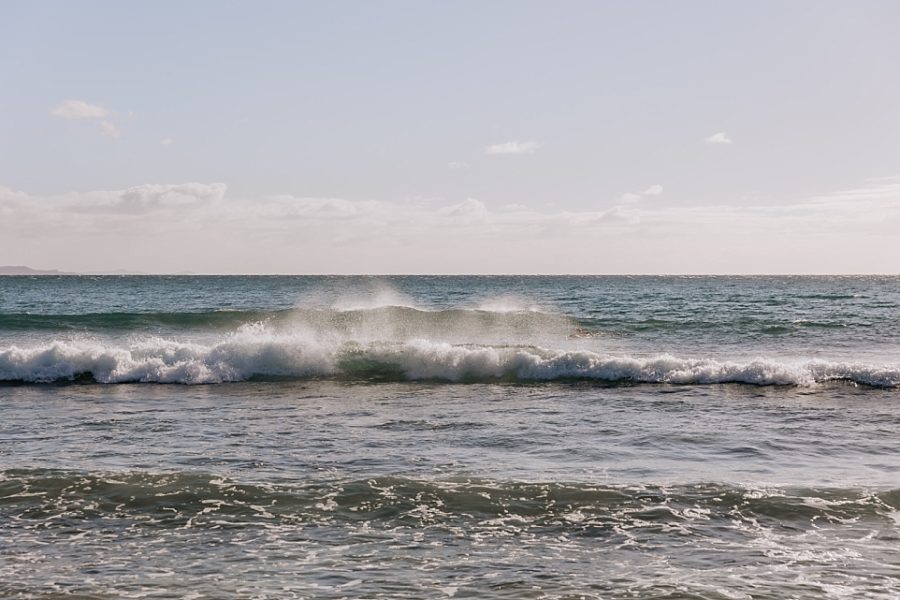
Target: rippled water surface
<point>449,437</point>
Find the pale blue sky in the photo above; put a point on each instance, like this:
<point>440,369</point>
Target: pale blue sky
<point>388,109</point>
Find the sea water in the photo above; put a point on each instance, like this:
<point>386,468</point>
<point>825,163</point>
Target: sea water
<point>449,437</point>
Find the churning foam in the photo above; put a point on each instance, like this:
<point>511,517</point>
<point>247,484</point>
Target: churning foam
<point>260,354</point>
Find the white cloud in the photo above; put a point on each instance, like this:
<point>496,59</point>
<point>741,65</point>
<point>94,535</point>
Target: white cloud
<point>513,147</point>
<point>167,141</point>
<point>457,165</point>
<point>631,197</point>
<point>147,198</point>
<point>471,208</point>
<point>78,109</point>
<point>293,207</point>
<point>109,129</point>
<point>81,110</point>
<point>718,139</point>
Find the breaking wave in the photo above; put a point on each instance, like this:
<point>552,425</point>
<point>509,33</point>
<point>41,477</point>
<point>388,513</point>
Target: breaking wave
<point>255,356</point>
<point>503,341</point>
<point>382,322</point>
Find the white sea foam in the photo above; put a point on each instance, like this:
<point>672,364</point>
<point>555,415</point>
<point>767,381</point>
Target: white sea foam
<point>263,354</point>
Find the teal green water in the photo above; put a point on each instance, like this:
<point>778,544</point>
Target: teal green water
<point>449,437</point>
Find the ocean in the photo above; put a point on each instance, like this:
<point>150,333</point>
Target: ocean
<point>449,437</point>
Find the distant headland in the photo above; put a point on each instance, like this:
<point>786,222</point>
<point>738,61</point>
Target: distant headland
<point>23,270</point>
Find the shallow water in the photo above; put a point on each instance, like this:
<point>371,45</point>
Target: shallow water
<point>385,438</point>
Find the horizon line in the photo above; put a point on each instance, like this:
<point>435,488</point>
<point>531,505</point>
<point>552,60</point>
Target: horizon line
<point>45,273</point>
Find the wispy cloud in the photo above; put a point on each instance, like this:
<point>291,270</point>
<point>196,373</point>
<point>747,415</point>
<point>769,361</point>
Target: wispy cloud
<point>143,199</point>
<point>167,141</point>
<point>109,129</point>
<point>718,139</point>
<point>81,110</point>
<point>513,147</point>
<point>470,208</point>
<point>286,206</point>
<point>78,109</point>
<point>654,190</point>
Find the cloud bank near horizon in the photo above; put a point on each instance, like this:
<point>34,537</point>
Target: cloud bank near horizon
<point>199,227</point>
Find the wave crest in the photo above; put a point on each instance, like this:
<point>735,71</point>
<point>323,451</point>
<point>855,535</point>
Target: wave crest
<point>261,355</point>
<point>379,323</point>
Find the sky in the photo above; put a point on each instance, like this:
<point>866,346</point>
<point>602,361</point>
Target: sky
<point>450,137</point>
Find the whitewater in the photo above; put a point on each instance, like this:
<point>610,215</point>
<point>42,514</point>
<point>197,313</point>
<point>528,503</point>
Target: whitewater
<point>263,355</point>
<point>449,437</point>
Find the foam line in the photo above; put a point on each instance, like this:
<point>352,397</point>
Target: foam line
<point>266,355</point>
